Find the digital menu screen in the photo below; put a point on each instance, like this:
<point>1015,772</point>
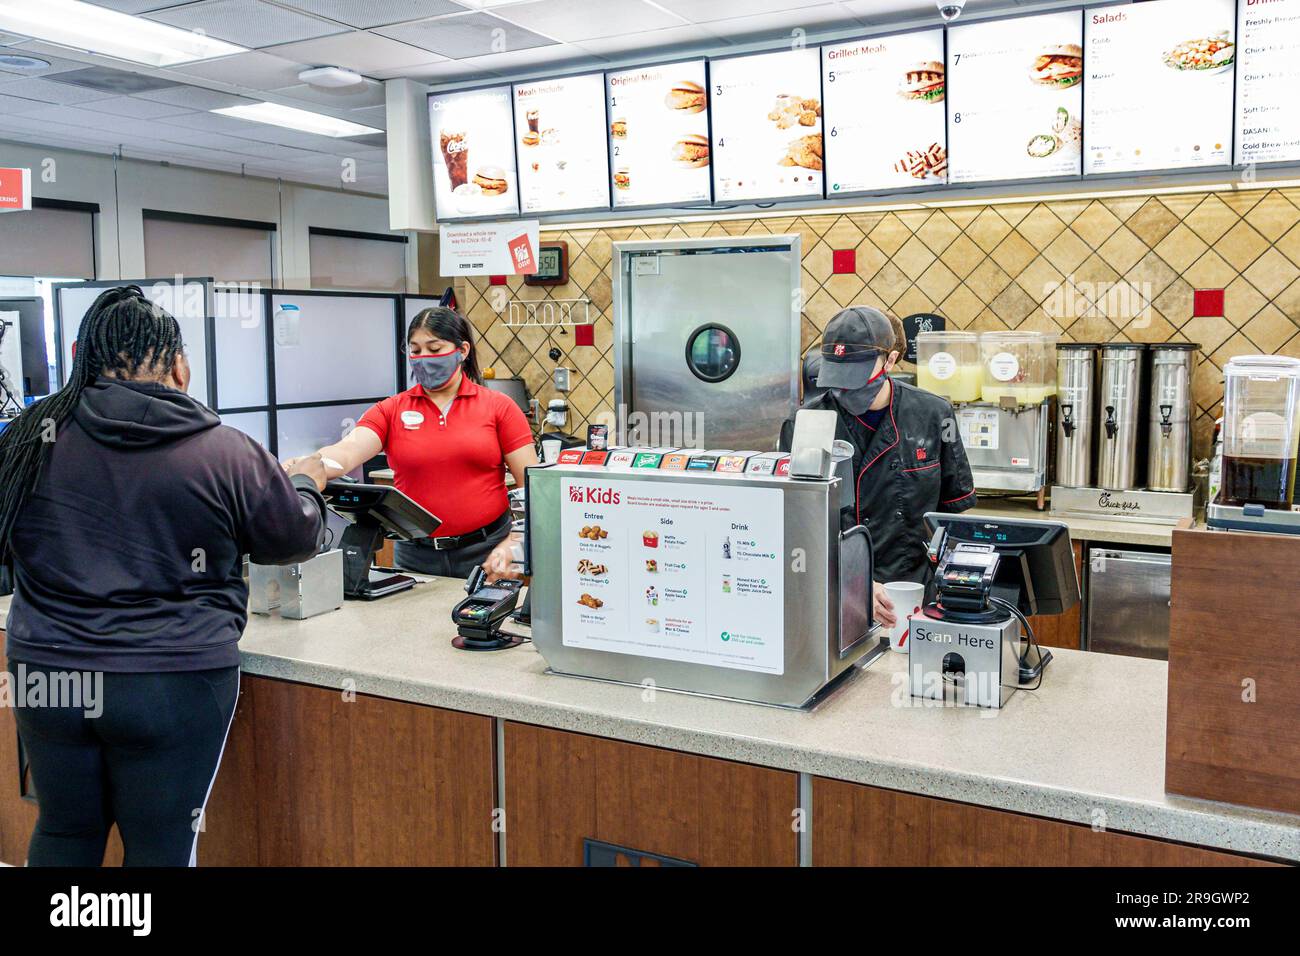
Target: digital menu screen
<point>1015,98</point>
<point>1159,85</point>
<point>473,154</point>
<point>767,125</point>
<point>899,141</point>
<point>560,137</point>
<point>1268,79</point>
<point>659,135</point>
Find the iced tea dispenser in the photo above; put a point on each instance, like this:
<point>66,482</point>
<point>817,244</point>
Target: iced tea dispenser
<point>1261,430</point>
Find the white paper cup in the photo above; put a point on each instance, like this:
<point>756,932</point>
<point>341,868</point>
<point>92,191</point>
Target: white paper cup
<point>907,597</point>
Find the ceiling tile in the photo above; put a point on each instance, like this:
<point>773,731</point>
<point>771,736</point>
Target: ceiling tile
<point>46,51</point>
<point>138,6</point>
<point>703,11</point>
<point>15,106</point>
<point>369,93</point>
<point>570,20</point>
<point>48,91</point>
<point>558,57</point>
<point>254,71</point>
<point>360,51</point>
<point>375,13</point>
<point>249,23</point>
<point>667,42</point>
<point>195,98</point>
<point>821,16</point>
<point>474,34</point>
<point>376,116</point>
<point>137,108</point>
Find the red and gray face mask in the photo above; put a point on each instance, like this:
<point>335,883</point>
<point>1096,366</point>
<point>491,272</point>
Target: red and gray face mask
<point>856,401</point>
<point>435,371</point>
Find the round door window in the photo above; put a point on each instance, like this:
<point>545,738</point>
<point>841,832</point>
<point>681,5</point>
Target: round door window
<point>712,353</point>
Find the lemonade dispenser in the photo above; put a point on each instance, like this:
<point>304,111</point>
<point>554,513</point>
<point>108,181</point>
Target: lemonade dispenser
<point>948,364</point>
<point>1020,366</point>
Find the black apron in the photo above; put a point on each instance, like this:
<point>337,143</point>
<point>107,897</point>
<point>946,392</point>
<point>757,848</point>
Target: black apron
<point>912,463</point>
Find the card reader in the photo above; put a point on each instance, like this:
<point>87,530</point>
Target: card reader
<point>479,617</point>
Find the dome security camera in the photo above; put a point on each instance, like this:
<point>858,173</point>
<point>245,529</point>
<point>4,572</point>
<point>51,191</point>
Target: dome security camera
<point>950,9</point>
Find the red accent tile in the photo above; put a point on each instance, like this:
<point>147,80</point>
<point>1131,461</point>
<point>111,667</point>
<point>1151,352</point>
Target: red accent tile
<point>1207,302</point>
<point>496,280</point>
<point>844,260</point>
<point>584,335</point>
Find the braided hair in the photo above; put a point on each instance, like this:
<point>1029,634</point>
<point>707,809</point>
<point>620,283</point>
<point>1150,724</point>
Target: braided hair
<point>123,335</point>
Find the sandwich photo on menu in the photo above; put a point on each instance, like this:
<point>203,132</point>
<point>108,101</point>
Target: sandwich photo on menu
<point>924,82</point>
<point>659,143</point>
<point>1059,66</point>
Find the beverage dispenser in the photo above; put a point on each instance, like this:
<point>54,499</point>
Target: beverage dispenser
<point>1261,431</point>
<point>948,364</point>
<point>1076,370</point>
<point>1121,379</point>
<point>1169,428</point>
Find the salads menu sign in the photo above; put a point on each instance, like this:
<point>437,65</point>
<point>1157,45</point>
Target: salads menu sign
<point>1016,98</point>
<point>1160,85</point>
<point>1268,81</point>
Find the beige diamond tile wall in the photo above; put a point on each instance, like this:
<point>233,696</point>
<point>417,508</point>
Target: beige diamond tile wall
<point>1122,268</point>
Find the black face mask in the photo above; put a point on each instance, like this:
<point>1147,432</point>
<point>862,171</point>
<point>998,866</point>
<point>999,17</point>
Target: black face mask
<point>856,401</point>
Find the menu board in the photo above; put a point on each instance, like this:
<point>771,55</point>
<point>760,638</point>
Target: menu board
<point>473,154</point>
<point>682,572</point>
<point>1159,85</point>
<point>1268,78</point>
<point>767,125</point>
<point>1015,98</point>
<point>659,135</point>
<point>898,142</point>
<point>563,154</point>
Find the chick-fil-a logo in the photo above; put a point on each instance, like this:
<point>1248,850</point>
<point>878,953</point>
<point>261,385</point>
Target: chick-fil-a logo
<point>593,495</point>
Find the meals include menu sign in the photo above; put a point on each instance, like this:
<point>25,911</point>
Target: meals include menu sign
<point>560,137</point>
<point>681,571</point>
<point>767,126</point>
<point>659,135</point>
<point>1015,98</point>
<point>1268,81</point>
<point>473,154</point>
<point>896,141</point>
<point>1159,85</point>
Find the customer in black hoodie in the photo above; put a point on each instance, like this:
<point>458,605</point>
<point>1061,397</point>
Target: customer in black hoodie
<point>125,535</point>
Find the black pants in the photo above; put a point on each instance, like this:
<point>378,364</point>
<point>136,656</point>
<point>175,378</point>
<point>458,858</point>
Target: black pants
<point>422,557</point>
<point>146,763</point>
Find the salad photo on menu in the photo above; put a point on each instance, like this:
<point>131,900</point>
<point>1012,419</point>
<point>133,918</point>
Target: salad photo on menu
<point>473,154</point>
<point>1015,103</point>
<point>767,126</point>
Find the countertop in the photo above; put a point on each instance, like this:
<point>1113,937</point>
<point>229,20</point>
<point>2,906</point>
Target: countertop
<point>1100,530</point>
<point>1088,747</point>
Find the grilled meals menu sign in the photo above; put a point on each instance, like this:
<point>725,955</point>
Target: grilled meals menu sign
<point>1015,99</point>
<point>659,135</point>
<point>767,125</point>
<point>473,154</point>
<point>560,137</point>
<point>680,571</point>
<point>1268,109</point>
<point>1160,78</point>
<point>903,78</point>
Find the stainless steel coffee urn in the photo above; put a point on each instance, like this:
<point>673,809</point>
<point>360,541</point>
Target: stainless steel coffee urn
<point>1119,413</point>
<point>1076,370</point>
<point>1169,428</point>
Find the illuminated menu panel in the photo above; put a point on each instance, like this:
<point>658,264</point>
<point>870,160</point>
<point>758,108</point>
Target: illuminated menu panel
<point>1268,81</point>
<point>659,135</point>
<point>1159,85</point>
<point>563,152</point>
<point>473,154</point>
<point>767,126</point>
<point>1015,98</point>
<point>897,141</point>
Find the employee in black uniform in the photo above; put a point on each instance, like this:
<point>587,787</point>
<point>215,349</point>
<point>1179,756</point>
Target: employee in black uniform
<point>907,455</point>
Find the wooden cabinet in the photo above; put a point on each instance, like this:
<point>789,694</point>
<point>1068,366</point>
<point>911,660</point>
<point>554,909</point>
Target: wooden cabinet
<point>1062,630</point>
<point>563,789</point>
<point>313,778</point>
<point>857,825</point>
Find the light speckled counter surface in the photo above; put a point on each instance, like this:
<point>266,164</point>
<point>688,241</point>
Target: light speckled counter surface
<point>1088,747</point>
<point>1100,530</point>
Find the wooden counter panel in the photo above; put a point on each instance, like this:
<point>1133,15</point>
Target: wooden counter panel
<point>562,787</point>
<point>1234,619</point>
<point>314,780</point>
<point>858,825</point>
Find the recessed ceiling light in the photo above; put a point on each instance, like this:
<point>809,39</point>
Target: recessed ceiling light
<point>84,26</point>
<point>273,114</point>
<point>16,61</point>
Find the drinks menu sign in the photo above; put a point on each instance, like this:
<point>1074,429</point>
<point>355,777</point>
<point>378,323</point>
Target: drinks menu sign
<point>1160,79</point>
<point>681,572</point>
<point>1268,78</point>
<point>659,135</point>
<point>473,154</point>
<point>1016,98</point>
<point>899,141</point>
<point>562,146</point>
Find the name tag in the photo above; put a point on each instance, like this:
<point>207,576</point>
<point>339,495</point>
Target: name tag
<point>412,420</point>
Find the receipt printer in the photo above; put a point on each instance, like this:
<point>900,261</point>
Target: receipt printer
<point>300,590</point>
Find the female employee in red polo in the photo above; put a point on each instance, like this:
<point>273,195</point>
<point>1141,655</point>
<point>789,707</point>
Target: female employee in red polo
<point>446,440</point>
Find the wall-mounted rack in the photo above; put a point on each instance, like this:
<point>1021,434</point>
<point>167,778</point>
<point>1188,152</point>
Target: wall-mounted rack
<point>548,313</point>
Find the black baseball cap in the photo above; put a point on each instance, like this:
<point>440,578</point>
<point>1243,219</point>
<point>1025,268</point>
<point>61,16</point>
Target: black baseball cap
<point>850,345</point>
